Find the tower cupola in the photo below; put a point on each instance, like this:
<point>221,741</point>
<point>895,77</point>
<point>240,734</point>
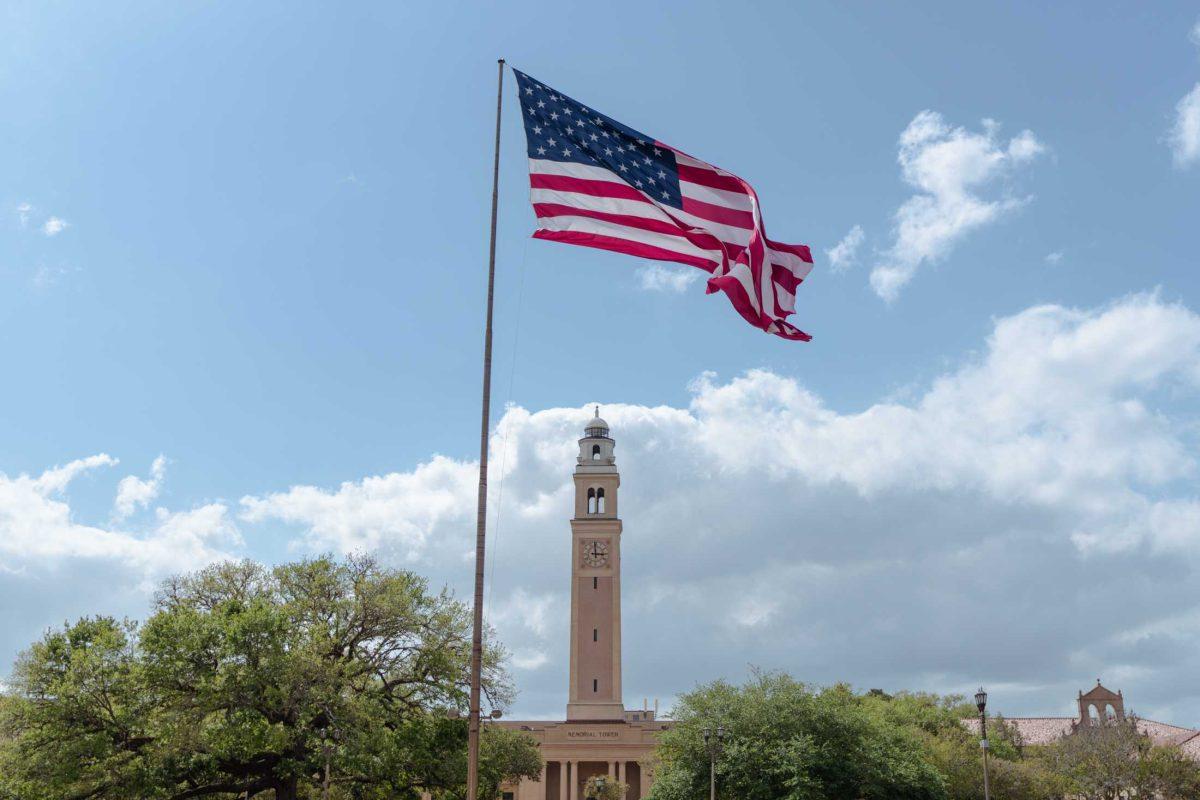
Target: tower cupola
<point>596,446</point>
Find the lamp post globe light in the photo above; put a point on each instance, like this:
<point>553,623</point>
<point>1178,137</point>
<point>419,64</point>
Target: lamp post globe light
<point>714,746</point>
<point>981,704</point>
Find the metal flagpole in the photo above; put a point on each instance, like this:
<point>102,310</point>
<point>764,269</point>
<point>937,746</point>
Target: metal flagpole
<point>481,517</point>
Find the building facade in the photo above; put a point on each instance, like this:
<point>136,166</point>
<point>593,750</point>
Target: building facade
<point>598,736</point>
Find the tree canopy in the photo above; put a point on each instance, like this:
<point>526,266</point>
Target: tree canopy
<point>789,741</point>
<point>247,680</point>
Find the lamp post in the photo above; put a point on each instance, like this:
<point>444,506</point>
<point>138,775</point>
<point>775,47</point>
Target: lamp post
<point>981,704</point>
<point>714,745</point>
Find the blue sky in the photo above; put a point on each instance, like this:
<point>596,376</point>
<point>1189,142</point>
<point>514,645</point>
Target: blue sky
<point>251,238</point>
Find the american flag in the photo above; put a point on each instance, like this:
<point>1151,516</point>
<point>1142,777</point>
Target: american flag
<point>598,183</point>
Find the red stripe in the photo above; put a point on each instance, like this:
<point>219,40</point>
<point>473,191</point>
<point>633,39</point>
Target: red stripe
<point>641,223</point>
<point>706,177</point>
<point>586,186</point>
<point>785,278</point>
<point>715,213</point>
<point>800,250</point>
<point>625,246</point>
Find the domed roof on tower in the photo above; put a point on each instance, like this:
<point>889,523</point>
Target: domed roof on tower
<point>596,427</point>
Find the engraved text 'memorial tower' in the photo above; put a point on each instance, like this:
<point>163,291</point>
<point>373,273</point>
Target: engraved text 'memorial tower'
<point>595,691</point>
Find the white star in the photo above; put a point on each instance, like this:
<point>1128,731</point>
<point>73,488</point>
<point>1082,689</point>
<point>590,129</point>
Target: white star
<point>604,134</point>
<point>620,149</point>
<point>541,103</point>
<point>553,142</point>
<point>624,168</point>
<point>639,141</point>
<point>662,174</point>
<point>599,121</point>
<point>646,160</point>
<point>554,116</point>
<point>638,184</point>
<point>537,129</point>
<point>567,111</point>
<point>569,129</point>
<point>608,151</point>
<point>664,194</point>
<point>554,97</point>
<point>657,152</point>
<point>532,110</point>
<point>651,181</point>
<point>594,137</point>
<point>566,151</point>
<point>528,90</point>
<point>541,151</point>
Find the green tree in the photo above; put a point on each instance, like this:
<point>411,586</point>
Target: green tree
<point>787,741</point>
<point>247,680</point>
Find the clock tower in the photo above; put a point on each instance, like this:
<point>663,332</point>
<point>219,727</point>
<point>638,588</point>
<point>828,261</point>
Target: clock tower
<point>595,690</point>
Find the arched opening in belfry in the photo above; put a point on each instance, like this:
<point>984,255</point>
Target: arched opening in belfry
<point>591,501</point>
<point>1110,713</point>
<point>1093,714</point>
<point>599,501</point>
<point>595,452</point>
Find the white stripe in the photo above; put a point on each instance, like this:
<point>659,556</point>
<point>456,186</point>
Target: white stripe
<point>571,169</point>
<point>798,266</point>
<point>600,227</point>
<point>726,233</point>
<point>738,237</point>
<point>688,161</point>
<point>718,197</point>
<point>611,205</point>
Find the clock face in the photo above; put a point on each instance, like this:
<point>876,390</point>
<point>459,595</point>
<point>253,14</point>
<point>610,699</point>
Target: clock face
<point>595,553</point>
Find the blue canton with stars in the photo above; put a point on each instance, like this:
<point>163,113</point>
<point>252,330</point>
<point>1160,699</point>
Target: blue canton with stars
<point>558,128</point>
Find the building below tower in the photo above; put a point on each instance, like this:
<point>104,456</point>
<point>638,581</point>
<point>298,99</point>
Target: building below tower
<point>599,735</point>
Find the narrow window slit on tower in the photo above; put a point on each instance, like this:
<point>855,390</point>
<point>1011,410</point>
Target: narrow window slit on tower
<point>595,685</point>
<point>595,583</point>
<point>595,634</point>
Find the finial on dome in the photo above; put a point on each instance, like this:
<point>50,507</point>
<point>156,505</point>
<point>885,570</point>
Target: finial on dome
<point>597,410</point>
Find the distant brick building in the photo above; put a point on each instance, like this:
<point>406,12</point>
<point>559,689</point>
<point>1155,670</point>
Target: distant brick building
<point>1095,707</point>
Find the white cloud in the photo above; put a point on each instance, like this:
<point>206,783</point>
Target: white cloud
<point>37,527</point>
<point>842,255</point>
<point>885,545</point>
<point>54,226</point>
<point>949,167</point>
<point>1054,258</point>
<point>135,493</point>
<point>1184,136</point>
<point>657,277</point>
<point>1029,519</point>
<point>23,212</point>
<point>394,511</point>
<point>1194,36</point>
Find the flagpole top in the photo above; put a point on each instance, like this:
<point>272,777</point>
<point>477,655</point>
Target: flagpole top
<point>500,61</point>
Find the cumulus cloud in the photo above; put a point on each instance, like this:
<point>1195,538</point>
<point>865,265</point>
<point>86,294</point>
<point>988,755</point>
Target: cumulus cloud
<point>655,277</point>
<point>1028,519</point>
<point>37,526</point>
<point>950,167</point>
<point>842,255</point>
<point>1184,137</point>
<point>134,493</point>
<point>54,226</point>
<point>958,536</point>
<point>1054,258</point>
